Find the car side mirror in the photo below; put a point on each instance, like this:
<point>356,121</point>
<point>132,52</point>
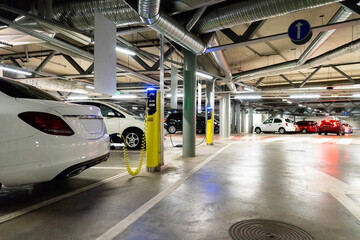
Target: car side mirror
<point>110,114</point>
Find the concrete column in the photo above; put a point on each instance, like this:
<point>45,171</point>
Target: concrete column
<point>250,122</point>
<point>238,117</point>
<point>242,127</point>
<point>225,115</point>
<point>282,113</point>
<point>189,105</point>
<point>233,117</point>
<point>294,118</point>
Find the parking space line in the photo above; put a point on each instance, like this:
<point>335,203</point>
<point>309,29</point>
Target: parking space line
<point>345,141</point>
<point>37,206</point>
<point>126,222</point>
<point>121,168</point>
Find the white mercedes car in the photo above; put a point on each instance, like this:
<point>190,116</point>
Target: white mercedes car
<point>281,125</point>
<point>43,138</point>
<point>119,121</point>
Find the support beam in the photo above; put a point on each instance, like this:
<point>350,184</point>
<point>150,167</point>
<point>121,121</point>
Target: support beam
<point>43,63</point>
<point>74,64</point>
<point>252,30</point>
<point>90,69</point>
<point>258,82</point>
<point>243,116</point>
<point>195,18</point>
<point>233,117</point>
<point>286,79</point>
<point>251,119</point>
<point>141,62</point>
<point>238,117</point>
<point>310,76</point>
<point>344,74</point>
<point>132,30</point>
<point>231,35</point>
<point>189,106</point>
<point>15,62</point>
<point>352,6</point>
<point>166,55</point>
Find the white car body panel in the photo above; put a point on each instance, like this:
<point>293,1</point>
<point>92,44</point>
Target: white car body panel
<point>274,126</point>
<point>28,155</point>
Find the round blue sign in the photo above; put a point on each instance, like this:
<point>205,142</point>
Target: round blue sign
<point>300,32</point>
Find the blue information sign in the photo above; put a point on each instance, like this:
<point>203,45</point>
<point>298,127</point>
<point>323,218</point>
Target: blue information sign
<point>300,32</point>
<point>346,113</point>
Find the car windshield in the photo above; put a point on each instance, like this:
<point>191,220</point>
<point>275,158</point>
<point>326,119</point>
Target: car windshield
<point>20,90</point>
<point>122,109</point>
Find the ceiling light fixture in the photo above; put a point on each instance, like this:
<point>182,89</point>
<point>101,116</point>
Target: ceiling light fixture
<point>249,89</point>
<point>78,97</point>
<point>300,105</point>
<point>248,97</point>
<point>125,96</point>
<point>356,95</point>
<point>15,70</point>
<point>125,50</point>
<point>89,87</point>
<point>178,95</point>
<point>306,96</point>
<point>204,75</point>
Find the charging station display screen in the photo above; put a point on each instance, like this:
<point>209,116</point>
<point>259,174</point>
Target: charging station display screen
<point>151,96</point>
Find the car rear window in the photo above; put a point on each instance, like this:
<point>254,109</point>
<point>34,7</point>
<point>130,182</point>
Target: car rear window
<point>288,120</point>
<point>277,120</point>
<point>20,90</point>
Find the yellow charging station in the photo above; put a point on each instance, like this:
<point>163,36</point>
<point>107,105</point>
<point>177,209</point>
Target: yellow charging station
<point>153,138</point>
<point>209,126</point>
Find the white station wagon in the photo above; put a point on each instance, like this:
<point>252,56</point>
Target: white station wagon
<point>119,121</point>
<point>281,125</point>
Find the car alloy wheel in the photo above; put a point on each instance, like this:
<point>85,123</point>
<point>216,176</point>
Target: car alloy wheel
<point>133,140</point>
<point>281,130</point>
<point>258,130</point>
<point>172,129</point>
<point>303,131</point>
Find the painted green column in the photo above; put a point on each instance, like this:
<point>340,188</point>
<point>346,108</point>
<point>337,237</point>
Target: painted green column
<point>189,104</point>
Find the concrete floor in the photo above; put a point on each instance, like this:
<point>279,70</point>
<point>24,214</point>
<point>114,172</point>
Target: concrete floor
<point>310,181</point>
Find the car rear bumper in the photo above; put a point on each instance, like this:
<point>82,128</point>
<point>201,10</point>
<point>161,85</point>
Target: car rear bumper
<point>42,157</point>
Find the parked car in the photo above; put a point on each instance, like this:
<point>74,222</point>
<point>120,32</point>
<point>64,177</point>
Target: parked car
<point>347,128</point>
<point>331,126</point>
<point>119,121</point>
<point>307,126</point>
<point>281,125</point>
<point>174,123</point>
<point>42,138</point>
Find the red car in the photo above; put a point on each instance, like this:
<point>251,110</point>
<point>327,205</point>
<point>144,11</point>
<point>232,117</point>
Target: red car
<point>331,126</point>
<point>307,126</point>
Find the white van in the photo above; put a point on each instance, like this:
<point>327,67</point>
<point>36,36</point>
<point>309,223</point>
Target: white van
<point>281,125</point>
<point>119,121</point>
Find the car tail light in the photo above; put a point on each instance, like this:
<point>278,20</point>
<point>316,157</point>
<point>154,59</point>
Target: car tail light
<point>286,124</point>
<point>335,124</point>
<point>46,123</point>
<point>165,119</point>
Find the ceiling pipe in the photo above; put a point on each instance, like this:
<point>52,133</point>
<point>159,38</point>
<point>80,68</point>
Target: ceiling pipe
<point>252,11</point>
<point>177,6</point>
<point>149,12</point>
<point>292,65</point>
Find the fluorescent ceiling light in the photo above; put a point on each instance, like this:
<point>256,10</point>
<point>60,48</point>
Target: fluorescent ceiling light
<point>306,96</point>
<point>178,95</point>
<point>356,95</point>
<point>248,89</point>
<point>89,87</point>
<point>309,107</point>
<point>300,105</point>
<point>15,70</point>
<point>290,102</point>
<point>77,97</point>
<point>126,51</point>
<point>356,86</point>
<point>204,75</point>
<point>125,96</point>
<point>248,97</point>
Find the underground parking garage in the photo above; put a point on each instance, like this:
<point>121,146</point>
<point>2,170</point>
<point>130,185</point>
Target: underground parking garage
<point>126,119</point>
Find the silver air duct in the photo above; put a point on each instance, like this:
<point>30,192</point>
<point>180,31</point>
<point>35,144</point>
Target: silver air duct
<point>251,11</point>
<point>80,14</point>
<point>177,6</point>
<point>160,22</point>
<point>292,66</point>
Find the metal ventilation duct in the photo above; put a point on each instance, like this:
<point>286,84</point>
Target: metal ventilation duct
<point>251,11</point>
<point>80,14</point>
<point>160,22</point>
<point>177,6</point>
<point>292,65</point>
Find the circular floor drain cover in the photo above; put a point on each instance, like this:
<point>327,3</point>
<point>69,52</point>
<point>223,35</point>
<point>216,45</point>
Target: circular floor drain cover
<point>259,229</point>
